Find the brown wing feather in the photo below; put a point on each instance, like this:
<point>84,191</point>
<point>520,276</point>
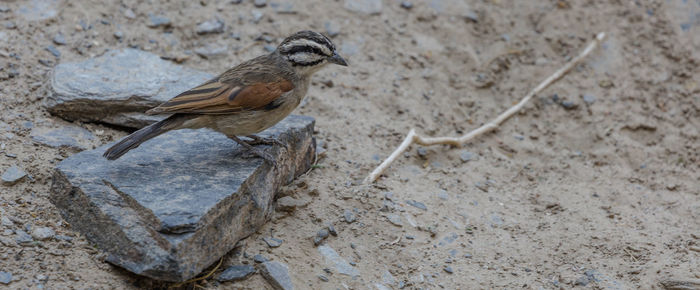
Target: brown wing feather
<point>216,97</point>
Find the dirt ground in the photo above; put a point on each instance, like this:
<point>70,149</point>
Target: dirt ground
<point>596,184</point>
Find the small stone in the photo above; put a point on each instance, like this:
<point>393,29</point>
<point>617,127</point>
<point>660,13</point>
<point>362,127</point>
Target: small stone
<point>582,281</point>
<point>236,1</point>
<point>519,137</point>
<point>260,258</point>
<point>42,277</point>
<point>482,185</point>
<point>4,9</point>
<point>449,270</point>
<point>320,236</point>
<point>269,47</point>
<point>236,273</point>
<point>257,15</point>
<point>287,203</point>
<point>118,34</point>
<point>568,105</point>
<point>323,278</point>
<point>23,237</point>
<point>59,39</point>
<point>589,99</point>
<point>417,204</point>
<point>53,50</point>
<point>395,220</point>
<point>260,3</point>
<point>211,26</point>
<point>64,238</point>
<point>333,259</point>
<point>128,13</point>
<point>210,51</point>
<point>606,84</point>
<point>406,5</point>
<point>284,8</point>
<point>443,195</point>
<point>349,216</point>
<point>332,28</point>
<point>277,274</point>
<point>13,175</point>
<point>332,231</point>
<point>5,277</point>
<point>471,15</point>
<point>422,152</point>
<point>6,222</point>
<point>43,233</point>
<point>468,256</point>
<point>369,7</point>
<point>273,242</point>
<point>465,156</point>
<point>155,21</point>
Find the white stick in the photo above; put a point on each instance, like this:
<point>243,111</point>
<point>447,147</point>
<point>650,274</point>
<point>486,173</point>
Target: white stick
<point>412,137</point>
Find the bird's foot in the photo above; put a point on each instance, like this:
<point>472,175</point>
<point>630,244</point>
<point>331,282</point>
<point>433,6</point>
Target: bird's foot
<point>257,140</point>
<point>256,151</point>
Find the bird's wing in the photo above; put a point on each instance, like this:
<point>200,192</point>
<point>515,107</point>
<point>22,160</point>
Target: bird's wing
<point>225,95</point>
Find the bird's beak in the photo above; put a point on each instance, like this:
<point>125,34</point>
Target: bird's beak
<point>337,59</point>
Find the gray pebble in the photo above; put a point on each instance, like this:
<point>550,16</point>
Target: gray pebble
<point>320,236</point>
<point>395,220</point>
<point>4,9</point>
<point>406,4</point>
<point>589,99</point>
<point>155,21</point>
<point>128,13</point>
<point>468,256</point>
<point>59,39</point>
<point>471,15</point>
<point>449,270</point>
<point>236,1</point>
<point>519,137</point>
<point>568,105</point>
<point>465,156</point>
<point>43,233</point>
<point>64,238</point>
<point>349,216</point>
<point>482,185</point>
<point>23,237</point>
<point>582,281</point>
<point>323,278</point>
<point>260,3</point>
<point>5,277</point>
<point>210,51</point>
<point>422,152</point>
<point>118,35</point>
<point>269,47</point>
<point>211,26</point>
<point>443,195</point>
<point>13,175</point>
<point>331,230</point>
<point>257,15</point>
<point>417,204</point>
<point>273,242</point>
<point>53,50</point>
<point>277,274</point>
<point>260,258</point>
<point>369,7</point>
<point>6,222</point>
<point>236,273</point>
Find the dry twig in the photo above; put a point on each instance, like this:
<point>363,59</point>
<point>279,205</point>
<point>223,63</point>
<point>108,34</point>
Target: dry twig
<point>412,137</point>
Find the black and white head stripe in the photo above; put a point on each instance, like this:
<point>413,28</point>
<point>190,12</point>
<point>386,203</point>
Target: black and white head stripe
<point>306,48</point>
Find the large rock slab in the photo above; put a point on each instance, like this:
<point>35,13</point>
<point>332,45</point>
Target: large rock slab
<point>117,86</point>
<point>179,202</point>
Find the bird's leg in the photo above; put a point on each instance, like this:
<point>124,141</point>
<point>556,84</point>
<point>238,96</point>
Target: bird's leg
<point>265,141</point>
<point>257,151</point>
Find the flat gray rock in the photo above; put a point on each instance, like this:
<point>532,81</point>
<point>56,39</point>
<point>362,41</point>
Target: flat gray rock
<point>13,175</point>
<point>117,86</point>
<point>277,274</point>
<point>73,137</point>
<point>176,204</point>
<point>236,273</point>
<point>370,7</point>
<point>333,259</point>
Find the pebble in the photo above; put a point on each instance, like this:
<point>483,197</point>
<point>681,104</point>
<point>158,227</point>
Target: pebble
<point>568,105</point>
<point>23,237</point>
<point>332,28</point>
<point>59,39</point>
<point>589,99</point>
<point>482,185</point>
<point>287,203</point>
<point>260,258</point>
<point>158,21</point>
<point>323,278</point>
<point>369,7</point>
<point>406,4</point>
<point>443,195</point>
<point>13,175</point>
<point>128,13</point>
<point>349,216</point>
<point>449,270</point>
<point>466,156</point>
<point>284,8</point>
<point>43,233</point>
<point>273,242</point>
<point>422,152</point>
<point>417,204</point>
<point>5,277</point>
<point>211,26</point>
<point>260,3</point>
<point>6,222</point>
<point>320,236</point>
<point>257,15</point>
<point>236,273</point>
<point>519,137</point>
<point>269,47</point>
<point>118,35</point>
<point>582,281</point>
<point>277,274</point>
<point>4,9</point>
<point>209,51</point>
<point>331,230</point>
<point>333,259</point>
<point>53,50</point>
<point>395,220</point>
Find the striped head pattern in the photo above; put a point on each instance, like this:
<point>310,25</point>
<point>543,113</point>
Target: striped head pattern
<point>308,50</point>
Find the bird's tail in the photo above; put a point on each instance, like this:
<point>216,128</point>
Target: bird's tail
<point>144,134</point>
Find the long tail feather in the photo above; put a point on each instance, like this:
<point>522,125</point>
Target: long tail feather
<point>144,134</point>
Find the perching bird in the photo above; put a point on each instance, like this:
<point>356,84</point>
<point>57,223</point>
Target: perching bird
<point>246,99</point>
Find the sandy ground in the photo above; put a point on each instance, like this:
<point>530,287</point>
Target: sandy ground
<point>596,183</point>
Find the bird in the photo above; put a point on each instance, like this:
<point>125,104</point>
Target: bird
<point>246,99</point>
